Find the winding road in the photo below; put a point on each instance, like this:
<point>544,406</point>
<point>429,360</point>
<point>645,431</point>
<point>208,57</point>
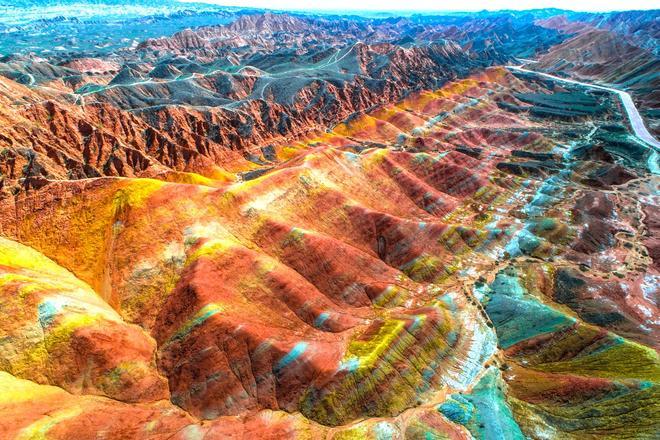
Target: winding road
<point>636,121</point>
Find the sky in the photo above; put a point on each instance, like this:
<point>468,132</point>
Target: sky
<point>440,5</point>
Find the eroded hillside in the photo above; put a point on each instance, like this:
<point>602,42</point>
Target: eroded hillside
<point>373,239</point>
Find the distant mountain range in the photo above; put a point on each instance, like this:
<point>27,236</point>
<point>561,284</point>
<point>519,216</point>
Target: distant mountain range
<point>236,64</point>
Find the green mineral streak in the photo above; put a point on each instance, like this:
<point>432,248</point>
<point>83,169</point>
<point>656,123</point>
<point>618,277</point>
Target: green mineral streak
<point>368,351</point>
<point>631,414</point>
<point>625,360</point>
<point>200,317</point>
<point>391,296</point>
<point>394,353</point>
<point>517,315</point>
<point>419,430</point>
<point>484,412</point>
<point>422,268</point>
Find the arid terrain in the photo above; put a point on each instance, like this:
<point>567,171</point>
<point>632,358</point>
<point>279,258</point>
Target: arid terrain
<point>279,225</point>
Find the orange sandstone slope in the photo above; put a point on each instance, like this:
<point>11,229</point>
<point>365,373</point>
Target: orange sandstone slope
<point>415,272</point>
<point>48,136</point>
<point>150,119</point>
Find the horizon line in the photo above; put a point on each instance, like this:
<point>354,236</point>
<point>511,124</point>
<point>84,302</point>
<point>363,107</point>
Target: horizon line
<point>412,11</point>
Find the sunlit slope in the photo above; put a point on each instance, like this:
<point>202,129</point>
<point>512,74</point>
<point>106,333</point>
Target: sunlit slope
<point>441,266</point>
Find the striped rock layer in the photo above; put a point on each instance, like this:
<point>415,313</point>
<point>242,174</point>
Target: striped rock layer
<point>464,263</point>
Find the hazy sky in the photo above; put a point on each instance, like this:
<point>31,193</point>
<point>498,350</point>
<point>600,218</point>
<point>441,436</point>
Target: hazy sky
<point>440,5</point>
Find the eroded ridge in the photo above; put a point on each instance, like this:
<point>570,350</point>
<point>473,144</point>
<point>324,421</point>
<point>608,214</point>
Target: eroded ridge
<point>477,260</point>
